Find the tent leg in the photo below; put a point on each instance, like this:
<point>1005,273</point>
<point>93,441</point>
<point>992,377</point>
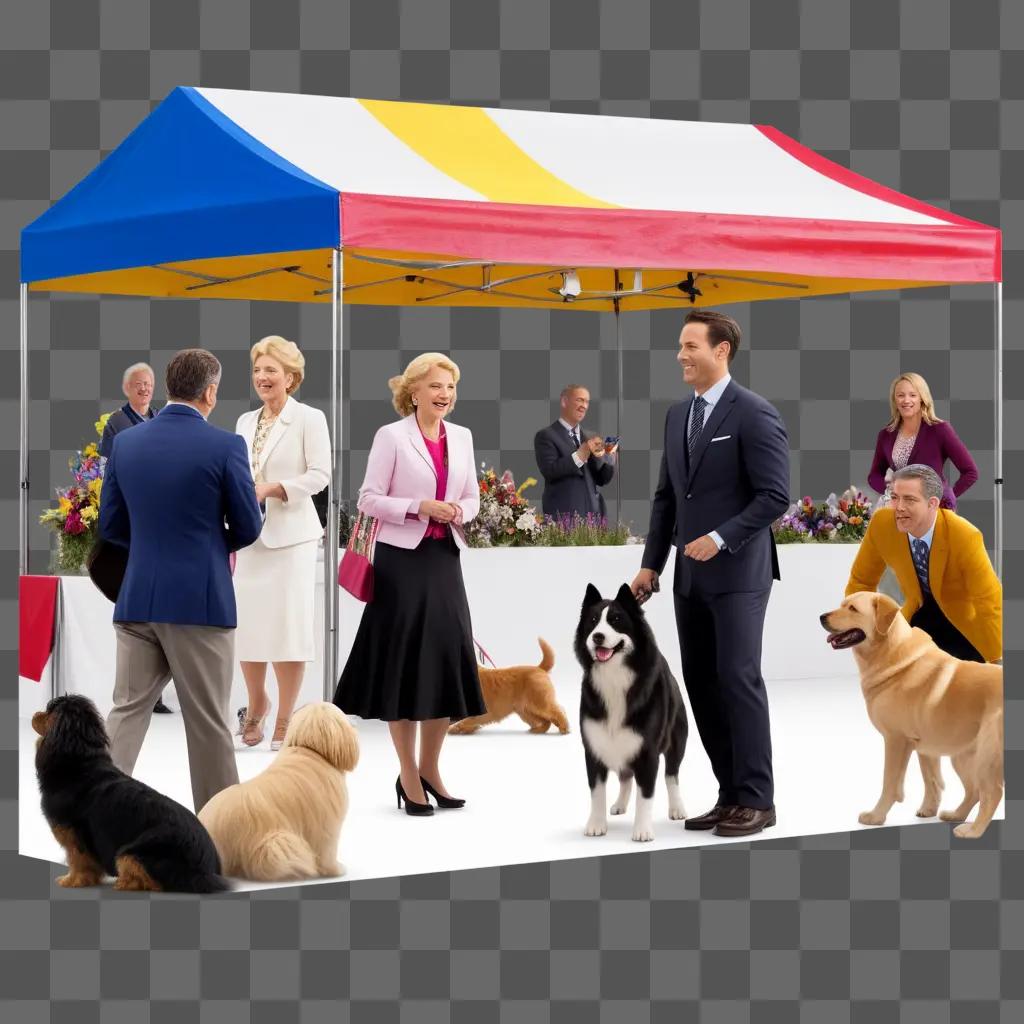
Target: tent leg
<point>332,599</point>
<point>23,448</point>
<point>618,407</point>
<point>998,496</point>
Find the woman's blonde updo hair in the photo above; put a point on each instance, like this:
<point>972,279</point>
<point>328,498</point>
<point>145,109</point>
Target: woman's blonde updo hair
<point>920,385</point>
<point>286,352</point>
<point>402,385</point>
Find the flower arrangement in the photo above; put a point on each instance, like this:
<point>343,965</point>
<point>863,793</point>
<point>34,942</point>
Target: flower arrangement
<point>506,518</point>
<point>843,519</point>
<point>75,518</point>
<point>577,531</point>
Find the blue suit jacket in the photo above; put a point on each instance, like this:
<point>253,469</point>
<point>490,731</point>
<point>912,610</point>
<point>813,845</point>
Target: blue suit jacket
<point>178,493</point>
<point>737,482</point>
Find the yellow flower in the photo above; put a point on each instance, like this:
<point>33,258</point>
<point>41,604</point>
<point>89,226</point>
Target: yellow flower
<point>95,486</point>
<point>63,506</point>
<point>89,514</point>
<point>528,482</point>
<point>102,422</point>
<point>91,450</point>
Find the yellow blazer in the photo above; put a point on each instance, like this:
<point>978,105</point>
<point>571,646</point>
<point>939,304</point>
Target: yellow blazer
<point>961,577</point>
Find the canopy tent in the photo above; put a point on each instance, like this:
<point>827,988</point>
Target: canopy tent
<point>247,195</point>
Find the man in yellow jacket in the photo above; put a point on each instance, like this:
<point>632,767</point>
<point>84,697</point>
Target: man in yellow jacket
<point>951,590</point>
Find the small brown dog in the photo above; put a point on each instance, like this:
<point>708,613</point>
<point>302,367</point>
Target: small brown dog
<point>525,689</point>
<point>920,698</point>
<point>285,823</point>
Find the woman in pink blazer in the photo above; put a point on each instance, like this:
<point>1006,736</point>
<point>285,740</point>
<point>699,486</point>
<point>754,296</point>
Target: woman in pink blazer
<point>412,662</point>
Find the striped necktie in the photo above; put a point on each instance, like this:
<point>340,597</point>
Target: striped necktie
<point>696,423</point>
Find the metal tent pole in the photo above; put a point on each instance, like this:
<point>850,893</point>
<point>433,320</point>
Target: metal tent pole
<point>23,449</point>
<point>618,405</point>
<point>998,496</point>
<point>331,596</point>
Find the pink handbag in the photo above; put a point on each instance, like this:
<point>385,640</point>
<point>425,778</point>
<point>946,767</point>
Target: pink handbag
<point>355,573</point>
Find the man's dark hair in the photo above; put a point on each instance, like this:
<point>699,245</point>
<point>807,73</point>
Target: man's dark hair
<point>189,373</point>
<point>720,328</point>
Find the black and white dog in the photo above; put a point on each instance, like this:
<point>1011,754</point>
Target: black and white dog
<point>631,711</point>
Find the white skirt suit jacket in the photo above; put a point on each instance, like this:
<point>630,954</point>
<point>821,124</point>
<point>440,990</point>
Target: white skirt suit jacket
<point>275,578</point>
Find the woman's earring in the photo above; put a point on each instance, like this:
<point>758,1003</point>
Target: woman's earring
<point>414,402</point>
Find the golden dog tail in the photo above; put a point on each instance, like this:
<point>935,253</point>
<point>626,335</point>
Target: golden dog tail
<point>281,855</point>
<point>547,661</point>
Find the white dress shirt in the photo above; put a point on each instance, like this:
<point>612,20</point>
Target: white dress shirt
<point>711,397</point>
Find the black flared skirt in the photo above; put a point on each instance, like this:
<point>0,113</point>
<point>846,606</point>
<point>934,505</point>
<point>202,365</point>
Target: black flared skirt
<point>413,656</point>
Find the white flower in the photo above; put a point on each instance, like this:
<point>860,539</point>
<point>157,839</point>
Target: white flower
<point>527,522</point>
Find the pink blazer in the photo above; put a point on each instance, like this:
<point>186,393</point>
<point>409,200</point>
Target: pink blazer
<point>400,474</point>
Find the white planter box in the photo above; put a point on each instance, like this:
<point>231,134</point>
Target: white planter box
<point>515,595</point>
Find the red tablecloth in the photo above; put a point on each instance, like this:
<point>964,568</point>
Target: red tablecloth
<point>37,608</point>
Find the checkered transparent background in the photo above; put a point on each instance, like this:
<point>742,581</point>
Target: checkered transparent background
<point>893,925</point>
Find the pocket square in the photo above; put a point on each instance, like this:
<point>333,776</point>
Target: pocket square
<point>723,437</point>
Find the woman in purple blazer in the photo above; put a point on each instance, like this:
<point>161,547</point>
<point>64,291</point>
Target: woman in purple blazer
<point>916,435</point>
<point>412,662</point>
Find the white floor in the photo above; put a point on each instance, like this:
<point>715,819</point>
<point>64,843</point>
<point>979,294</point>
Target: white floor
<point>527,795</point>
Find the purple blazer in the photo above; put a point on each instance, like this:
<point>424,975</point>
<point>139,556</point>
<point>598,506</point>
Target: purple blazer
<point>936,442</point>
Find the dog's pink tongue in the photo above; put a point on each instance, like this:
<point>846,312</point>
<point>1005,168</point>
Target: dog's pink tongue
<point>603,653</point>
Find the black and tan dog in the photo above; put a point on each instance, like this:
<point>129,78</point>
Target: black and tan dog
<point>107,822</point>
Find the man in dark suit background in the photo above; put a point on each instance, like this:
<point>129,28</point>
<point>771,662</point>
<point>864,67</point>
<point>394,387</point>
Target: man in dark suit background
<point>724,479</point>
<point>178,493</point>
<point>138,384</point>
<point>572,461</point>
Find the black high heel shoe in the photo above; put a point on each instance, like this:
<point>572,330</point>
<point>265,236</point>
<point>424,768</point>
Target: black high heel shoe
<point>411,807</point>
<point>447,802</point>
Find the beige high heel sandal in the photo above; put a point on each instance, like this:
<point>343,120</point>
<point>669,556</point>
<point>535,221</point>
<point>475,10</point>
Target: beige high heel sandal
<point>279,732</point>
<point>252,729</point>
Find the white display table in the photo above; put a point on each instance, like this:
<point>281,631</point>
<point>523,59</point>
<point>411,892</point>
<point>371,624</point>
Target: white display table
<point>515,595</point>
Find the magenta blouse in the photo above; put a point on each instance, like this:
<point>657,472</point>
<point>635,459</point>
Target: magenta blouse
<point>439,453</point>
<point>936,442</point>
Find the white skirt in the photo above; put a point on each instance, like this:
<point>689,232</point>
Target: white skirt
<point>274,591</point>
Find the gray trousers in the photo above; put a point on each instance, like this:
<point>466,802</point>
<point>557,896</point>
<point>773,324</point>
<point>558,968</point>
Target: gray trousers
<point>201,661</point>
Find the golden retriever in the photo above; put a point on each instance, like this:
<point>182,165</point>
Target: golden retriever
<point>285,823</point>
<point>525,689</point>
<point>920,698</point>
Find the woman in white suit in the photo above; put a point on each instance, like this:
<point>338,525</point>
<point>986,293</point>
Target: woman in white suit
<point>275,578</point>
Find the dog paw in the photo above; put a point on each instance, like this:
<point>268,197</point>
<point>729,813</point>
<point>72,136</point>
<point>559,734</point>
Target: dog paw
<point>968,830</point>
<point>643,834</point>
<point>596,828</point>
<point>677,813</point>
<point>333,870</point>
<point>950,816</point>
<point>617,808</point>
<point>70,881</point>
<point>927,811</point>
<point>871,818</point>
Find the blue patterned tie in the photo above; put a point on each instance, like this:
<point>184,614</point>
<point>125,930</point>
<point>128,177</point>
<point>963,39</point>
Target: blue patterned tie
<point>920,554</point>
<point>696,423</point>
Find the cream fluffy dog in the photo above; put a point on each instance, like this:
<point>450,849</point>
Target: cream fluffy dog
<point>285,823</point>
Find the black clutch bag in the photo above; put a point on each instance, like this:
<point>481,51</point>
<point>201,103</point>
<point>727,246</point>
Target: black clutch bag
<point>106,565</point>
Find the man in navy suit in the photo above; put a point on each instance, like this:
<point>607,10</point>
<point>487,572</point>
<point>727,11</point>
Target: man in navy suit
<point>179,494</point>
<point>724,479</point>
<point>572,461</point>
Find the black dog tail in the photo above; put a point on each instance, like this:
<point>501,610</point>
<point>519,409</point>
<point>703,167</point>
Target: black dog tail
<point>209,883</point>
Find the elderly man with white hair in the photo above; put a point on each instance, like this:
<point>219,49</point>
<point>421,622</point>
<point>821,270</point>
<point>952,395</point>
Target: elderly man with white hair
<point>137,385</point>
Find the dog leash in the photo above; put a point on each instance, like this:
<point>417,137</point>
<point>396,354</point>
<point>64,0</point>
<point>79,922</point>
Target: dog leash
<point>481,653</point>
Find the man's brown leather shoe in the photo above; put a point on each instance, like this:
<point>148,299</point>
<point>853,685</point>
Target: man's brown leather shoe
<point>745,821</point>
<point>709,820</point>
